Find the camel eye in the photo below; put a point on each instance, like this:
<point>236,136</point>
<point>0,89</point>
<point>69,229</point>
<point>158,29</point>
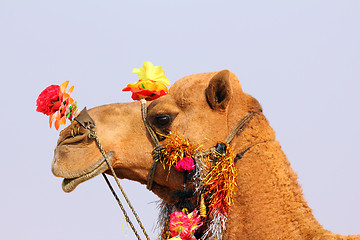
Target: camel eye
<point>162,120</point>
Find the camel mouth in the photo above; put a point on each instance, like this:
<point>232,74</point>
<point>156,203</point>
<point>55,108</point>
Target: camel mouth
<point>69,184</point>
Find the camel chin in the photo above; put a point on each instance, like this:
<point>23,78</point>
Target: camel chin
<point>69,184</point>
<point>72,139</point>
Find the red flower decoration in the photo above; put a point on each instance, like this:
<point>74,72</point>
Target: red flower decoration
<point>55,102</point>
<point>48,100</point>
<point>185,164</point>
<point>146,94</point>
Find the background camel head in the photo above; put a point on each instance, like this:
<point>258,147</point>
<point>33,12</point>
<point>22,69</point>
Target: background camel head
<point>202,107</point>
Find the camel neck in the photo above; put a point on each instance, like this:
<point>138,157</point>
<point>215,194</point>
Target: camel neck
<point>269,202</point>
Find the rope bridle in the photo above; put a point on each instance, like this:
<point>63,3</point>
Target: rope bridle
<point>158,146</point>
<point>219,156</point>
<point>87,122</point>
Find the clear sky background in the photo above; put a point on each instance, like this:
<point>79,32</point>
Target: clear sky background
<point>300,59</point>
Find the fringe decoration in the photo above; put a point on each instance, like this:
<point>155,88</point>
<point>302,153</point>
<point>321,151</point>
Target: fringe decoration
<point>220,182</point>
<point>163,221</point>
<point>217,187</point>
<point>214,181</point>
<point>203,166</point>
<point>216,227</point>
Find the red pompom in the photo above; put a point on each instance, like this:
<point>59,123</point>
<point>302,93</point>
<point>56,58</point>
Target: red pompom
<point>185,164</point>
<point>48,101</point>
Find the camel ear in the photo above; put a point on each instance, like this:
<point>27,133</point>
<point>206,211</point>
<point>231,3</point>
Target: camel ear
<point>219,91</point>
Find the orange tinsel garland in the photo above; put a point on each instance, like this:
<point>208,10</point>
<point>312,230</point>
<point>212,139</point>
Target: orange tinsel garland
<point>175,149</point>
<point>216,180</point>
<point>220,182</point>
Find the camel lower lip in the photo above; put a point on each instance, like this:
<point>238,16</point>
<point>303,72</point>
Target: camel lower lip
<point>69,184</point>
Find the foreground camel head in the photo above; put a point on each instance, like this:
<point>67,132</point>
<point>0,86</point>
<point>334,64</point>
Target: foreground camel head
<point>197,106</point>
<point>268,203</point>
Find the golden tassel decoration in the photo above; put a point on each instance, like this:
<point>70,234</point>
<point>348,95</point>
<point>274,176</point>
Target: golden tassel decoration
<point>202,206</point>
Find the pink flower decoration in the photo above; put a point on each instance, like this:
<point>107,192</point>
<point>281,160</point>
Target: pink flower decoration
<point>179,223</point>
<point>184,224</point>
<point>185,164</point>
<point>195,221</point>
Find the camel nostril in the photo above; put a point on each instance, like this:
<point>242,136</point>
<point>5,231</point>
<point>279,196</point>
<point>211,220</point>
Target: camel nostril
<point>73,133</point>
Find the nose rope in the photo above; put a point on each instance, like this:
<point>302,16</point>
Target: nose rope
<point>145,120</point>
<point>94,136</point>
<point>157,147</point>
<point>87,122</point>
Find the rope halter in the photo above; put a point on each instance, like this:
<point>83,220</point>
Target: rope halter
<point>87,122</point>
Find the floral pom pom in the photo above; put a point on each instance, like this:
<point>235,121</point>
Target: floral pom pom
<point>47,99</point>
<point>183,226</point>
<point>151,85</point>
<point>185,164</point>
<point>195,221</point>
<point>179,223</point>
<point>56,103</point>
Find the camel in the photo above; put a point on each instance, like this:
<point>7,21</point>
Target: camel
<point>268,203</point>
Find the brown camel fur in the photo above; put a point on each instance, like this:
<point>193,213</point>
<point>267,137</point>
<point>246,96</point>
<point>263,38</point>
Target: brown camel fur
<point>205,107</point>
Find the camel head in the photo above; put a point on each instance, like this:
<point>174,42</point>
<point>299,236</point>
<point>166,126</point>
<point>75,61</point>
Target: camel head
<point>202,107</point>
<point>205,108</point>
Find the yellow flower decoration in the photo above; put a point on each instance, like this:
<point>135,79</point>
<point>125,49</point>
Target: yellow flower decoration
<point>151,72</point>
<point>151,85</point>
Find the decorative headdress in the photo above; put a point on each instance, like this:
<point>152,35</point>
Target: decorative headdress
<point>215,171</point>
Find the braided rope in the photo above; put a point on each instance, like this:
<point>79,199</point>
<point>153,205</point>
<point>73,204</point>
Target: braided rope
<point>156,142</point>
<point>145,120</point>
<point>121,206</point>
<point>93,135</point>
<point>238,127</point>
<point>156,155</point>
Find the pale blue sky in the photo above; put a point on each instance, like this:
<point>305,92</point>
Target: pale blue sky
<point>300,59</point>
